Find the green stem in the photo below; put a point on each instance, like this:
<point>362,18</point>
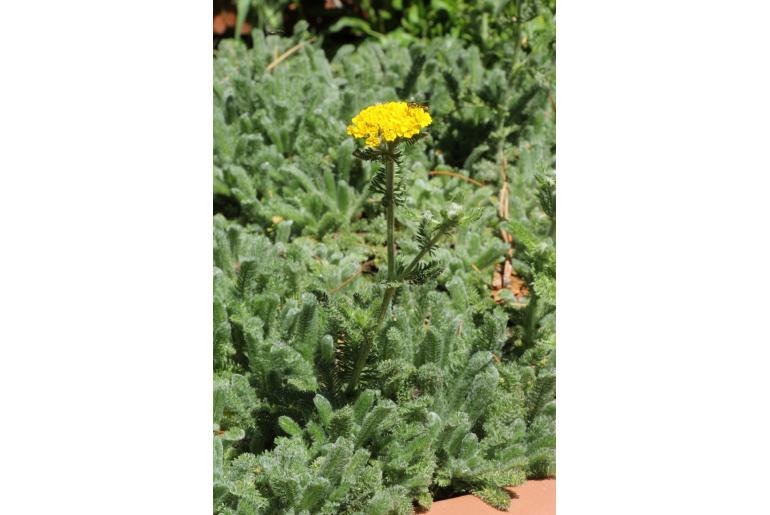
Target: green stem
<point>387,298</point>
<point>390,208</point>
<point>517,40</point>
<point>391,290</point>
<point>420,254</point>
<point>390,215</point>
<point>530,329</point>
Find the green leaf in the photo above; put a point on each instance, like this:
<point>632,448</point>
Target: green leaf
<point>324,408</point>
<point>218,460</point>
<point>234,434</point>
<point>494,497</point>
<point>363,405</point>
<point>356,24</point>
<point>243,10</point>
<point>289,426</point>
<point>545,287</point>
<point>219,404</point>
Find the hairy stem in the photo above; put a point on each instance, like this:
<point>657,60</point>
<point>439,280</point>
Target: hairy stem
<point>390,208</point>
<point>391,290</point>
<point>386,299</point>
<point>422,252</point>
<point>390,215</point>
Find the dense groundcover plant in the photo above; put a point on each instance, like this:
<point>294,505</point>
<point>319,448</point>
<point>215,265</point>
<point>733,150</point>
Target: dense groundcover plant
<point>360,362</point>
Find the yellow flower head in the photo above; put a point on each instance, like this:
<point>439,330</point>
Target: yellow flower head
<point>389,121</point>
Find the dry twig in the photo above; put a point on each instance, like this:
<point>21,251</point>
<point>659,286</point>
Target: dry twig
<point>278,60</point>
<point>363,268</point>
<point>459,176</point>
<point>504,277</point>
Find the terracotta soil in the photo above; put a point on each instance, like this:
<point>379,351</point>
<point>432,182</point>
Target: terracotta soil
<point>504,278</point>
<point>535,497</point>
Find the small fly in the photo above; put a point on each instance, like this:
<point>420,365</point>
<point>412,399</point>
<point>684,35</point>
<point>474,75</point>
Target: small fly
<point>420,105</point>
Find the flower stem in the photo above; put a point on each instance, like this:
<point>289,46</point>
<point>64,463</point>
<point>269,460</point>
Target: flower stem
<point>390,215</point>
<point>391,290</point>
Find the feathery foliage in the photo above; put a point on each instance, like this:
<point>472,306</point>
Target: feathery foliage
<point>317,407</point>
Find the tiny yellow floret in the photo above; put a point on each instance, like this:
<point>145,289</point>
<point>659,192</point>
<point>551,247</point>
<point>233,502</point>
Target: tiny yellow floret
<point>389,121</point>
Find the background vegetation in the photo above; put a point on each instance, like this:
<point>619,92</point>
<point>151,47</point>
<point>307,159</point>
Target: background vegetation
<point>458,394</point>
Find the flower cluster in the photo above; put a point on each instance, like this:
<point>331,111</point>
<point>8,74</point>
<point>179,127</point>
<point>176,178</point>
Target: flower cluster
<point>389,121</point>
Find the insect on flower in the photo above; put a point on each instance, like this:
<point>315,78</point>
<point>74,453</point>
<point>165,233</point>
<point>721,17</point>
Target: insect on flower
<point>419,105</point>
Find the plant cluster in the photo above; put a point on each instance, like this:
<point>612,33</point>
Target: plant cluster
<point>435,410</point>
<point>499,28</point>
<point>491,25</point>
<point>283,130</point>
<point>327,399</point>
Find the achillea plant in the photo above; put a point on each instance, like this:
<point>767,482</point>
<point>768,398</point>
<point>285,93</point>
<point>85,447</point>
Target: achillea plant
<point>386,127</point>
<point>361,366</point>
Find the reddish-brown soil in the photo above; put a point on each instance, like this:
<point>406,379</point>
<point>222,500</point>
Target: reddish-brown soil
<point>535,497</point>
<point>504,278</point>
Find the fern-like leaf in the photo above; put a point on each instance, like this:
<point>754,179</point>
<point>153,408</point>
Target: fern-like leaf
<point>539,395</point>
